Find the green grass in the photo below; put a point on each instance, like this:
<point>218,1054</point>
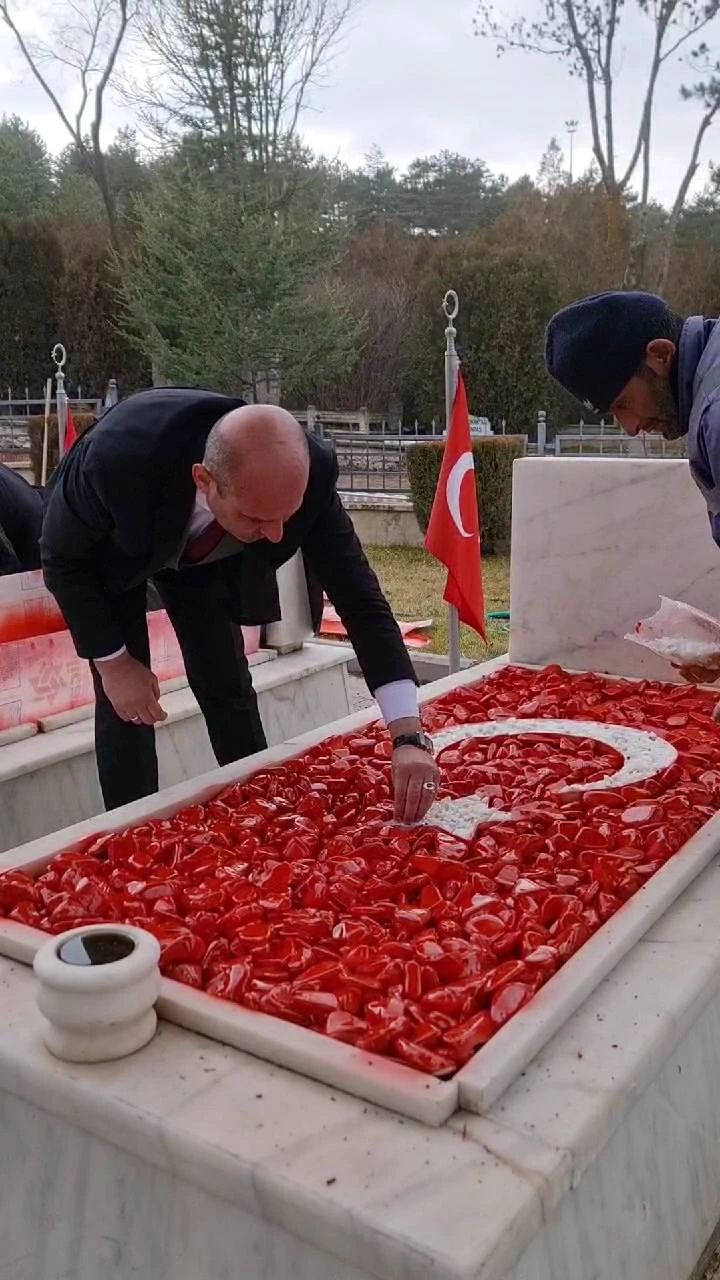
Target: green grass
<point>414,583</point>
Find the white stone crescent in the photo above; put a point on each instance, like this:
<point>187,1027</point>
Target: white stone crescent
<point>452,490</point>
<point>644,754</point>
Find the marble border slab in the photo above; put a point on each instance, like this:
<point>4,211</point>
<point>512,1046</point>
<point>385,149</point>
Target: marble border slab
<point>76,738</point>
<point>501,1061</point>
<point>366,1075</point>
<point>61,719</point>
<point>370,1076</point>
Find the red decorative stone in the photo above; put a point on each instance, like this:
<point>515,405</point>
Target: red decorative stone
<point>294,894</point>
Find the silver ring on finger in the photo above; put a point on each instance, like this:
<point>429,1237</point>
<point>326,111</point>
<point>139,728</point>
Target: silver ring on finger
<point>136,720</point>
<point>429,786</point>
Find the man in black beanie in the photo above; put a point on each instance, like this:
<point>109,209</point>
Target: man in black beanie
<point>629,355</point>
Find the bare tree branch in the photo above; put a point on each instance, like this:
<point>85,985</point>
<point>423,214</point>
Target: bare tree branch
<point>711,95</point>
<point>237,71</point>
<point>91,48</point>
<point>32,65</point>
<point>585,33</point>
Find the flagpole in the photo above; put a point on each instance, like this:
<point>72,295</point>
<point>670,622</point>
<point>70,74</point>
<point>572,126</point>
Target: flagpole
<point>451,306</point>
<point>58,356</point>
<point>46,432</point>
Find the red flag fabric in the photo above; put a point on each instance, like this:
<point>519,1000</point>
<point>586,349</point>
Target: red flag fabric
<point>453,534</point>
<point>70,431</point>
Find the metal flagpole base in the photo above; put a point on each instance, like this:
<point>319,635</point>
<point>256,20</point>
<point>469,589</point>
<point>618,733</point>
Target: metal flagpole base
<point>453,640</point>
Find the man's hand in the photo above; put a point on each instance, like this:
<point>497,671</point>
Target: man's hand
<point>132,689</point>
<point>699,675</point>
<point>415,774</point>
<point>415,783</point>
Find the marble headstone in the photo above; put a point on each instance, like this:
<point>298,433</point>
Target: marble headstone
<point>296,627</point>
<point>595,542</point>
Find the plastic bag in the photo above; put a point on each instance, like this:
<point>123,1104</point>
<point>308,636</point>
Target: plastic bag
<point>688,638</point>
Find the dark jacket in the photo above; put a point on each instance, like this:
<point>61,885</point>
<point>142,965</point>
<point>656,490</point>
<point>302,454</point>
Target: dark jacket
<point>698,389</point>
<point>119,504</point>
<point>21,513</point>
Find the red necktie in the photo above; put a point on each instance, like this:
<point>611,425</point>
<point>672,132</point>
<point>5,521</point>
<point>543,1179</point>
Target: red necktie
<point>200,547</point>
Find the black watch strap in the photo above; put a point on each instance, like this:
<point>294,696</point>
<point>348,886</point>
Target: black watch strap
<point>420,740</point>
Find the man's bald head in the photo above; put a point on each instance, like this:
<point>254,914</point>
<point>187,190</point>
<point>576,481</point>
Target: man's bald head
<point>255,471</point>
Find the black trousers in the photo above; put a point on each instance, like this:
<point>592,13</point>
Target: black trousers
<point>218,674</point>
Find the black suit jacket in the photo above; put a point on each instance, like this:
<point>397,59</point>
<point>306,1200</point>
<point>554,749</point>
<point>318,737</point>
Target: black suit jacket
<point>121,499</point>
<point>21,513</point>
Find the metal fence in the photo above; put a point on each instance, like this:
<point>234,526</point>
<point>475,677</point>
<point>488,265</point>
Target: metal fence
<point>28,406</point>
<point>376,462</point>
<point>14,436</point>
<point>610,441</point>
<point>14,414</point>
<point>372,463</point>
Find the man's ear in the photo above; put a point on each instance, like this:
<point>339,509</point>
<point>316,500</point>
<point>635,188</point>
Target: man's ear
<point>660,356</point>
<point>201,476</point>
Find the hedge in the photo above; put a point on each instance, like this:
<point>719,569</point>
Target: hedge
<point>35,428</point>
<point>494,457</point>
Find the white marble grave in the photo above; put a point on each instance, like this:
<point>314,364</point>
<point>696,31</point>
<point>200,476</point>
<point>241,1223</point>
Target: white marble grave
<point>595,543</point>
<point>366,1075</point>
<point>600,1162</point>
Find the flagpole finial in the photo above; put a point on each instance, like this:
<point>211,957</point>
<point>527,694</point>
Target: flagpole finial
<point>58,355</point>
<point>451,305</point>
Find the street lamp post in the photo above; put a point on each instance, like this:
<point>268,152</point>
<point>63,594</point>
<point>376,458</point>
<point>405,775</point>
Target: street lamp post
<point>572,127</point>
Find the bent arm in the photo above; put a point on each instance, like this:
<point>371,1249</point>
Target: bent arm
<point>337,558</point>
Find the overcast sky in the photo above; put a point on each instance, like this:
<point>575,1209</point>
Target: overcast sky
<point>411,78</point>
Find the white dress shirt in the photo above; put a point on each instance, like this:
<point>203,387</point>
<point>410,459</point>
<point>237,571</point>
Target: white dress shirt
<point>397,700</point>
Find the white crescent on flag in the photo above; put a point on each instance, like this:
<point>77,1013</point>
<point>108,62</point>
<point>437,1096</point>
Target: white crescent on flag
<point>452,490</point>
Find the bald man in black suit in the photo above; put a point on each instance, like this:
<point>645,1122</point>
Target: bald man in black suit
<point>207,498</point>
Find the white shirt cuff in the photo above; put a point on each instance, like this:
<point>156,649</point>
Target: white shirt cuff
<point>108,657</point>
<point>398,700</point>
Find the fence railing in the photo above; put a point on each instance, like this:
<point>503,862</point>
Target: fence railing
<point>374,463</point>
<point>611,441</point>
<point>14,436</point>
<point>361,423</point>
<point>344,421</point>
<point>377,463</point>
<point>28,406</point>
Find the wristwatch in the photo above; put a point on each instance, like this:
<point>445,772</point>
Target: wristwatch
<point>420,740</point>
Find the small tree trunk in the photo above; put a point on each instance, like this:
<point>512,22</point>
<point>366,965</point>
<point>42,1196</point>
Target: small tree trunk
<point>615,236</point>
<point>108,199</point>
<point>667,252</point>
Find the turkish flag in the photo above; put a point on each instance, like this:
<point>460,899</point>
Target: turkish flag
<point>453,534</point>
<point>70,430</point>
